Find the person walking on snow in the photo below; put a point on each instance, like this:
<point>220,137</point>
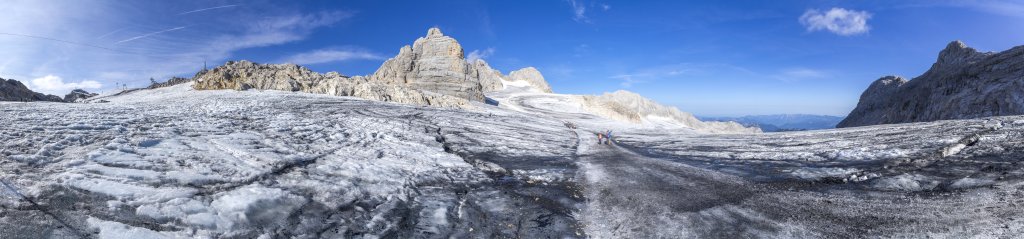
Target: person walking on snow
<point>608,135</point>
<point>599,136</point>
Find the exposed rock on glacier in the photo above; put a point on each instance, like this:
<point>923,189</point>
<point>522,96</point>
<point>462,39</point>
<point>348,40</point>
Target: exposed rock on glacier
<point>490,79</point>
<point>962,84</point>
<point>78,95</point>
<point>170,82</point>
<point>434,63</point>
<point>531,76</point>
<point>12,90</point>
<point>243,75</point>
<point>631,107</point>
<point>433,71</point>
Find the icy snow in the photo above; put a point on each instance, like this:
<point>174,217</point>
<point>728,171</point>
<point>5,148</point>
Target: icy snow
<point>173,162</point>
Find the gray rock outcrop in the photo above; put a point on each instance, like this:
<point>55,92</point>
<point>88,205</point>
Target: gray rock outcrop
<point>531,76</point>
<point>244,75</point>
<point>490,79</point>
<point>963,83</point>
<point>12,90</point>
<point>432,71</point>
<point>170,82</point>
<point>78,95</point>
<point>434,63</point>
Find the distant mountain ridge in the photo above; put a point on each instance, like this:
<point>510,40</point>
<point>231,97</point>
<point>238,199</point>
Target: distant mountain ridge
<point>783,122</point>
<point>433,71</point>
<point>13,90</point>
<point>962,84</point>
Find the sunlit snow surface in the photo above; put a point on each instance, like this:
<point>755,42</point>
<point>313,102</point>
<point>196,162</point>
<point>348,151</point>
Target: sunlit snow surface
<point>182,163</point>
<point>174,163</point>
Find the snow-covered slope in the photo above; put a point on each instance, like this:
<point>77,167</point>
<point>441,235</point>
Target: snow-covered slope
<point>618,110</point>
<point>174,162</point>
<point>631,107</point>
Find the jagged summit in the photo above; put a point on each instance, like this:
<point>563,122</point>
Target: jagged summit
<point>957,53</point>
<point>434,32</point>
<point>962,84</point>
<point>433,65</point>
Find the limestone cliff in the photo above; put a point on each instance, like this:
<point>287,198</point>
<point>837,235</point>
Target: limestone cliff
<point>963,83</point>
<point>434,63</point>
<point>243,75</point>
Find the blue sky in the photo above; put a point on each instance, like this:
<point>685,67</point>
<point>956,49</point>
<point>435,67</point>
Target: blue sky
<point>714,58</point>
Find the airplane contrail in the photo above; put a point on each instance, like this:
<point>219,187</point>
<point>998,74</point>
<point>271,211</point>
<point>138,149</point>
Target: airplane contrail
<point>148,35</point>
<point>207,9</point>
<point>58,40</point>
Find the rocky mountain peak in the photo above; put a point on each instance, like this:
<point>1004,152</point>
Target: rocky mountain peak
<point>962,84</point>
<point>436,44</point>
<point>13,90</point>
<point>887,83</point>
<point>435,63</point>
<point>78,95</point>
<point>532,76</point>
<point>957,53</point>
<point>434,32</point>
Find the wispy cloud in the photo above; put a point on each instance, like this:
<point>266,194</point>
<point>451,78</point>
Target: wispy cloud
<point>124,48</point>
<point>478,54</point>
<point>579,11</point>
<point>207,9</point>
<point>800,74</point>
<point>149,35</point>
<point>837,20</point>
<point>627,81</point>
<point>330,55</point>
<point>51,84</point>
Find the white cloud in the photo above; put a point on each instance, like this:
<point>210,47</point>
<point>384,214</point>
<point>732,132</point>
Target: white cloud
<point>478,54</point>
<point>330,55</point>
<point>51,84</point>
<point>154,40</point>
<point>837,20</point>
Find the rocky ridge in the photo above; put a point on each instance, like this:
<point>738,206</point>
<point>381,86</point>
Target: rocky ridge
<point>432,71</point>
<point>13,90</point>
<point>962,84</point>
<point>169,82</point>
<point>78,95</point>
<point>244,75</point>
